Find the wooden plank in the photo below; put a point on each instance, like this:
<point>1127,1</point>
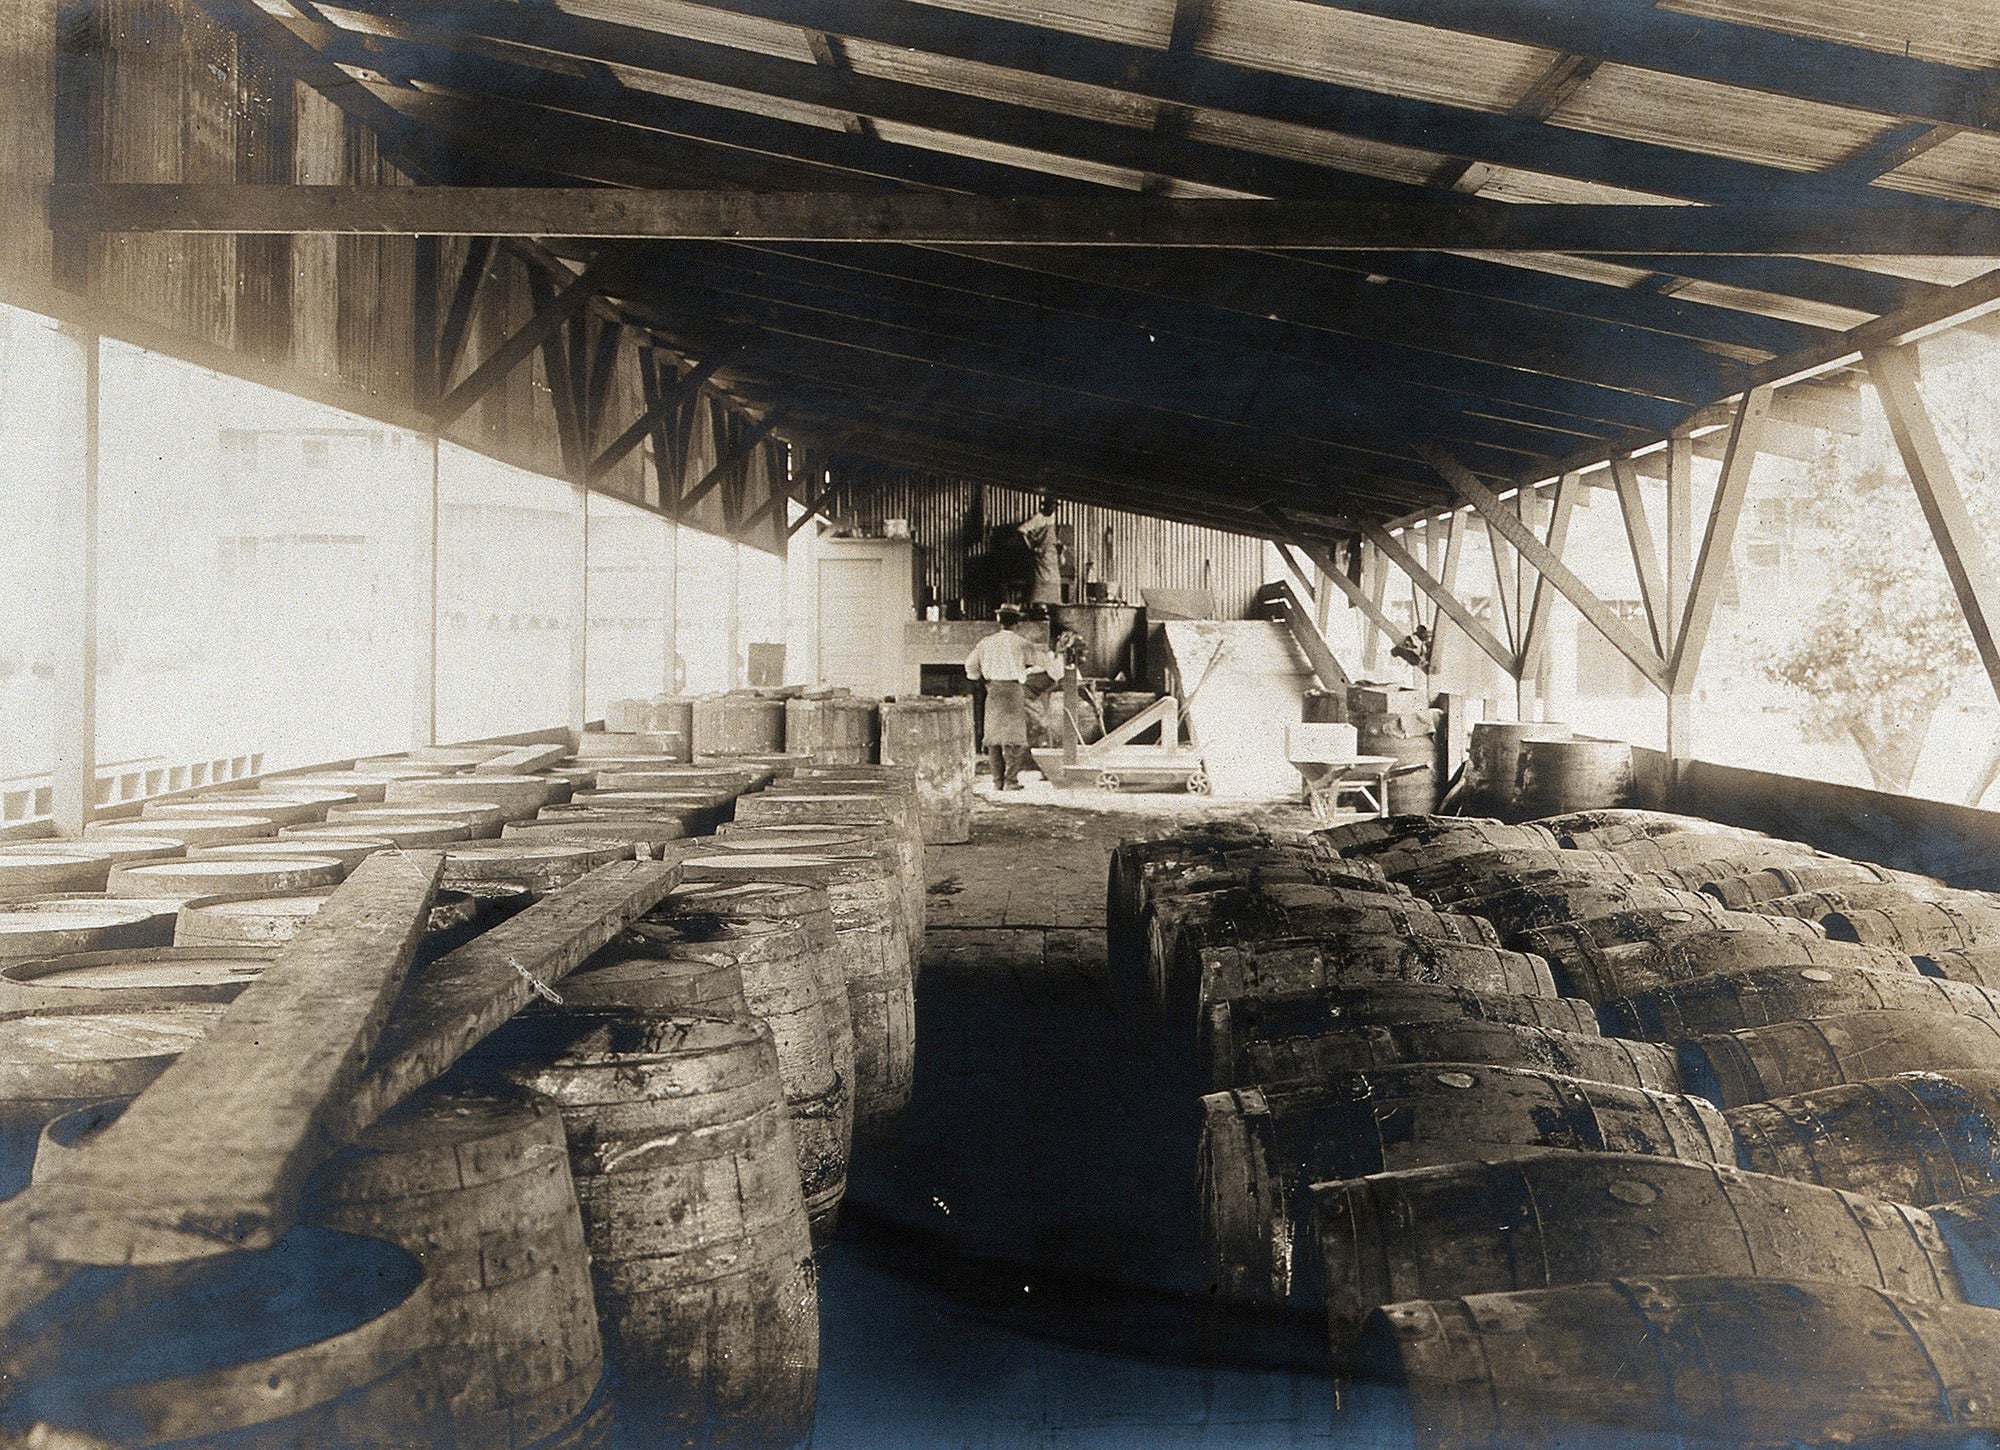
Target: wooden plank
<point>1966,558</point>
<point>1645,554</point>
<point>451,1004</point>
<point>458,318</point>
<point>1453,563</point>
<point>731,457</point>
<point>1506,579</point>
<point>1552,568</point>
<point>1731,493</point>
<point>1326,665</point>
<point>525,760</point>
<point>1116,220</point>
<point>1680,526</point>
<point>213,1156</point>
<point>1369,605</point>
<point>1396,554</point>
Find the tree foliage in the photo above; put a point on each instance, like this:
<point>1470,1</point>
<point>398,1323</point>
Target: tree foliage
<point>1886,645</point>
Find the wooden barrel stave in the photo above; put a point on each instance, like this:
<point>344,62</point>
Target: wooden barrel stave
<point>737,724</point>
<point>1756,1064</point>
<point>1261,1148</point>
<point>935,737</point>
<point>1578,1218</point>
<point>1556,776</point>
<point>1493,763</point>
<point>1591,957</point>
<point>1917,1138</point>
<point>834,729</point>
<point>1765,996</point>
<point>1349,1049</point>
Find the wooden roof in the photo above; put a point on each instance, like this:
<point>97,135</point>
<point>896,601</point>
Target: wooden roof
<point>1494,171</point>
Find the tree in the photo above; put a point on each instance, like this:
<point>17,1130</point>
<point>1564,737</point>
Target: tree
<point>1887,645</point>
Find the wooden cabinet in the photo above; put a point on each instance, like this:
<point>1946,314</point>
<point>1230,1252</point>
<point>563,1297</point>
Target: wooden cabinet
<point>868,591</point>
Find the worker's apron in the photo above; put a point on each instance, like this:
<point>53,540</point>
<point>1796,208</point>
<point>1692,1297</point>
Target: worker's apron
<point>1006,713</point>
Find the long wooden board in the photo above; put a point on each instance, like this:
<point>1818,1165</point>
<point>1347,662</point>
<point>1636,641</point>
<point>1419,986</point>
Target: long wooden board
<point>524,760</point>
<point>449,1005</point>
<point>214,1154</point>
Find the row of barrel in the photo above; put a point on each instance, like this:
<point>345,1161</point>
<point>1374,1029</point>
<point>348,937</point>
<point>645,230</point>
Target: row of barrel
<point>609,1210</point>
<point>1616,1127</point>
<point>831,726</point>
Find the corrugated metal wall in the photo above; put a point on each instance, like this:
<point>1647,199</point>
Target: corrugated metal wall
<point>953,518</point>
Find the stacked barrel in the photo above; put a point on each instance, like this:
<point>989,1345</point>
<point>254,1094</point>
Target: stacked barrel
<point>1613,1127</point>
<point>626,1187</point>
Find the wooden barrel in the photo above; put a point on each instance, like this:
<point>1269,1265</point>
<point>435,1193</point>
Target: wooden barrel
<point>774,766</point>
<point>934,735</point>
<point>1129,875</point>
<point>1391,834</point>
<point>633,972</point>
<point>476,1185</point>
<point>1597,958</point>
<point>650,832</point>
<point>361,785</point>
<point>1767,883</point>
<point>1524,909</point>
<point>411,835</point>
<point>1920,1137</point>
<point>52,1062</point>
<point>1691,1361</point>
<point>1558,776</point>
<point>837,729</point>
<point>134,980</point>
<point>1262,1147</point>
<point>1481,872</point>
<point>1580,1218</point>
<point>1917,926</point>
<point>347,854</point>
<point>1706,851</point>
<point>700,1253</point>
<point>82,924</point>
<point>782,989</point>
<point>699,811</point>
<point>319,1340</point>
<point>540,868</point>
<point>1606,828</point>
<point>881,994</point>
<point>1824,901</point>
<point>873,813</point>
<point>286,810</point>
<point>227,880</point>
<point>1236,1028</point>
<point>1493,764</point>
<point>671,722</point>
<point>1399,860</point>
<point>28,874</point>
<point>273,920</point>
<point>841,844</point>
<point>639,776</point>
<point>1755,1064</point>
<point>732,725</point>
<point>1734,947</point>
<point>1348,1048</point>
<point>1410,739</point>
<point>1769,995</point>
<point>1970,1228</point>
<point>810,909</point>
<point>124,848</point>
<point>520,796</point>
<point>482,819</point>
<point>210,830</point>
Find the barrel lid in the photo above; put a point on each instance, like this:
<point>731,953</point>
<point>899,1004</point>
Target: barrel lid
<point>416,813</point>
<point>346,853</point>
<point>304,795</point>
<point>408,836</point>
<point>199,809</point>
<point>24,863</point>
<point>764,839</point>
<point>703,930</point>
<point>274,909</point>
<point>50,1054</point>
<point>143,968</point>
<point>435,1118</point>
<point>131,848</point>
<point>181,827</point>
<point>223,869</point>
<point>719,897</point>
<point>599,1036</point>
<point>70,913</point>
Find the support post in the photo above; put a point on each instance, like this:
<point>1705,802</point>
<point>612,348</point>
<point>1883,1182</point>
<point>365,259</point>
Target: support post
<point>424,612</point>
<point>1454,556</point>
<point>1731,493</point>
<point>1645,554</point>
<point>1375,574</point>
<point>1534,634</point>
<point>1966,559</point>
<point>73,793</point>
<point>1680,528</point>
<point>575,709</point>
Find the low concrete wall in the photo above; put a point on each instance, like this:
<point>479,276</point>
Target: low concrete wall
<point>1957,844</point>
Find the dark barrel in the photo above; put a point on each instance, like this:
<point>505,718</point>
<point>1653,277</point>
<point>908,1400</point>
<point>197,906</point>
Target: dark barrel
<point>1572,775</point>
<point>1692,1361</point>
<point>1578,1218</point>
<point>1410,739</point>
<point>1742,943</point>
<point>1493,764</point>
<point>1588,961</point>
<point>1346,1049</point>
<point>1790,878</point>
<point>1755,1064</point>
<point>1522,909</point>
<point>1261,1148</point>
<point>1918,926</point>
<point>700,1256</point>
<point>1921,1137</point>
<point>1767,995</point>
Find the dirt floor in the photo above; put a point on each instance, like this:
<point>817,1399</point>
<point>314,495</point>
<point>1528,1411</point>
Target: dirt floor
<point>1018,1264</point>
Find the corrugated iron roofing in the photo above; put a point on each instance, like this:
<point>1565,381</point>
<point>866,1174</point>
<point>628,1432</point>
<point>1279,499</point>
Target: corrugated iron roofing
<point>1950,32</point>
<point>1719,120</point>
<point>1964,168</point>
<point>1128,22</point>
<point>1319,42</point>
<point>697,22</point>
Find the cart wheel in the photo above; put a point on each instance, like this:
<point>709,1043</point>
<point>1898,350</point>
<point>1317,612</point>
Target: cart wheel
<point>1107,780</point>
<point>1198,783</point>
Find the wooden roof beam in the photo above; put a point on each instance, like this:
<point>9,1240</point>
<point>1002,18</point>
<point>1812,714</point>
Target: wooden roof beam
<point>1116,220</point>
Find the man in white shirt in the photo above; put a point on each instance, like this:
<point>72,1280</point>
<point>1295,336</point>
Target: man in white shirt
<point>1003,661</point>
